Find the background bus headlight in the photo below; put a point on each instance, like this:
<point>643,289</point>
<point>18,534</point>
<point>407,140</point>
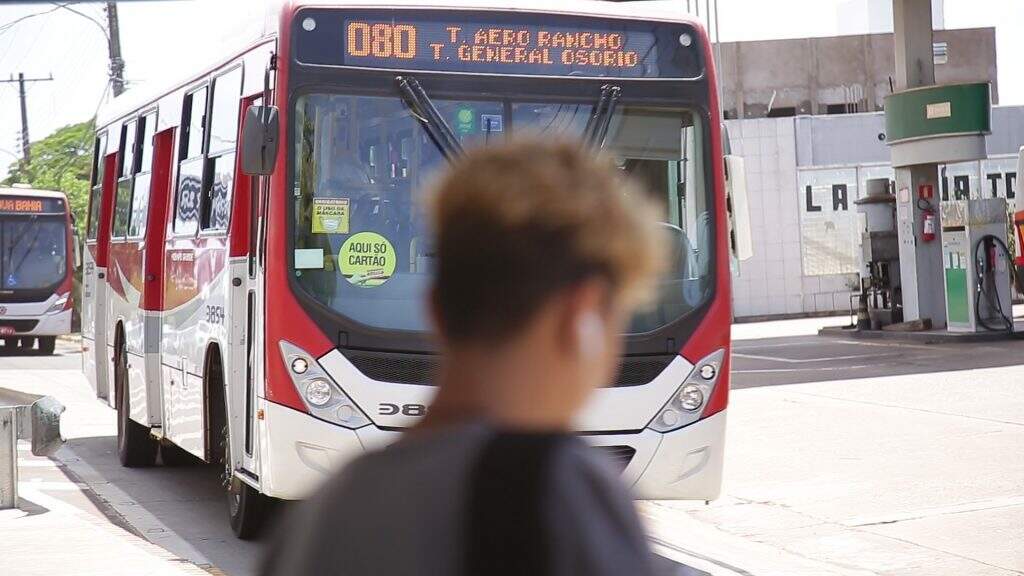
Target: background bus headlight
<point>688,402</point>
<point>323,397</point>
<point>59,305</point>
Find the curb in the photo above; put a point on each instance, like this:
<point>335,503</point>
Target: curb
<point>928,337</point>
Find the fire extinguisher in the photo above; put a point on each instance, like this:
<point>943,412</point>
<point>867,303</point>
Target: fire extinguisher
<point>928,224</point>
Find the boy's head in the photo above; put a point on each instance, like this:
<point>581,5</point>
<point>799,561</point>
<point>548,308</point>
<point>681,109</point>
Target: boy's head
<point>542,240</point>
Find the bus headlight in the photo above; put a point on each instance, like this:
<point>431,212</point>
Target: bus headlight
<point>59,305</point>
<point>691,397</point>
<point>688,402</point>
<point>318,392</point>
<point>323,398</point>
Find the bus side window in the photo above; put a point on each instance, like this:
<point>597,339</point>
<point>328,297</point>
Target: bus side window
<point>219,174</point>
<point>126,171</point>
<point>190,164</point>
<point>96,185</point>
<point>140,199</point>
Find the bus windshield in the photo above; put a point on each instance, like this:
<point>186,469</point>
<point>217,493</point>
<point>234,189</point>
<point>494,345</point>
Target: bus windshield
<point>33,252</point>
<point>361,164</point>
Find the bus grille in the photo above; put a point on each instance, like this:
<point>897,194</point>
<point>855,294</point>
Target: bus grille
<point>422,368</point>
<point>619,456</point>
<point>19,325</point>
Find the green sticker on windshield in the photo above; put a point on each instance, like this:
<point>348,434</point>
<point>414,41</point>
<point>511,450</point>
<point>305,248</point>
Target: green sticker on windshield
<point>465,120</point>
<point>367,259</point>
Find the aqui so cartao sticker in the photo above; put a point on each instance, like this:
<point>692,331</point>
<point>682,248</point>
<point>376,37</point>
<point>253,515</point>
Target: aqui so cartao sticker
<point>367,259</point>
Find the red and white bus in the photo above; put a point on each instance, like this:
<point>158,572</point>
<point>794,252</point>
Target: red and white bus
<point>37,258</point>
<point>231,311</point>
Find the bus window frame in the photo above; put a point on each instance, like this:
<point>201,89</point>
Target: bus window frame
<point>129,177</point>
<point>305,80</point>
<point>184,140</point>
<point>209,160</point>
<point>95,188</point>
<point>144,118</point>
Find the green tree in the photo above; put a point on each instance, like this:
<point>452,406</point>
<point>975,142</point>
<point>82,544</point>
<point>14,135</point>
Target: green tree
<point>61,161</point>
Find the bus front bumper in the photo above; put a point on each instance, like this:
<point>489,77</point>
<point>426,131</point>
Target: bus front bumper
<point>299,452</point>
<point>45,325</point>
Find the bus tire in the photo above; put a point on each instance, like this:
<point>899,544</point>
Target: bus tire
<point>246,505</point>
<point>135,447</point>
<point>47,344</point>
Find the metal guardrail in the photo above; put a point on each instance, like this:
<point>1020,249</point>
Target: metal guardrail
<point>25,417</point>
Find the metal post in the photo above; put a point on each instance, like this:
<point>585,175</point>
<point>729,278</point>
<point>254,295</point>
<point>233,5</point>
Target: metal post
<point>114,47</point>
<point>8,458</point>
<point>26,150</point>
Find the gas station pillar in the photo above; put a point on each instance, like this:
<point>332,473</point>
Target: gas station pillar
<point>921,273</point>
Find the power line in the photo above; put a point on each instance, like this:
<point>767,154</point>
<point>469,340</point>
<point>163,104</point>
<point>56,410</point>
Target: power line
<point>12,23</point>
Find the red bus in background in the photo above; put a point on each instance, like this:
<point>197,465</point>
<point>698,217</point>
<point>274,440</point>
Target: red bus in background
<point>37,259</point>
<point>232,311</point>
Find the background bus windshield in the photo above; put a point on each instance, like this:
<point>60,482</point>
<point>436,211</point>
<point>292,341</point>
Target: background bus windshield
<point>33,251</point>
<point>362,244</point>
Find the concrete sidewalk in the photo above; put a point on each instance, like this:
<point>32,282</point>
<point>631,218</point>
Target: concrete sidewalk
<point>62,525</point>
<point>59,528</point>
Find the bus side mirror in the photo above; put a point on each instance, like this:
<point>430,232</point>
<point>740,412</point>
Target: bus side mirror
<point>259,140</point>
<point>78,251</point>
<point>740,239</point>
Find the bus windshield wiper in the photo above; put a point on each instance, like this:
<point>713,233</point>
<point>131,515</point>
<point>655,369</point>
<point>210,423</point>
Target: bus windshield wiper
<point>425,111</point>
<point>600,121</point>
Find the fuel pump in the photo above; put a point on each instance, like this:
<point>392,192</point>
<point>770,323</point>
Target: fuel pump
<point>977,265</point>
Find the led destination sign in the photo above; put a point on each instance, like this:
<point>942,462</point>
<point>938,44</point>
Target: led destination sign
<point>26,205</point>
<point>499,44</point>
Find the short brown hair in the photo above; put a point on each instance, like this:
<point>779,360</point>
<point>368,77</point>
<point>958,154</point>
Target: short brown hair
<point>519,222</point>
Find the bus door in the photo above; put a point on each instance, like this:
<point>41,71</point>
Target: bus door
<point>126,281</point>
<point>95,356</point>
<point>242,321</point>
<point>153,295</point>
<point>197,279</point>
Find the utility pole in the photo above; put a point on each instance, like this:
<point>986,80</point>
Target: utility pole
<point>26,151</point>
<point>114,47</point>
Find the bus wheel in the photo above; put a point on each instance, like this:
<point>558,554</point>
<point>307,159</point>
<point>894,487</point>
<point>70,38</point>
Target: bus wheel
<point>47,344</point>
<point>245,503</point>
<point>26,344</point>
<point>135,447</point>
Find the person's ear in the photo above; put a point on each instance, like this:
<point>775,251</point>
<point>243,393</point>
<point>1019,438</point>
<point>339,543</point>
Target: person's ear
<point>590,341</point>
<point>584,321</point>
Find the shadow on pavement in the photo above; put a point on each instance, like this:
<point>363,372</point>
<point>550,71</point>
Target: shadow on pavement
<point>183,508</point>
<point>179,508</point>
<point>800,359</point>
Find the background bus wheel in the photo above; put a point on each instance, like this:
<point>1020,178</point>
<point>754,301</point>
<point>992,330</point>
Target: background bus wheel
<point>135,447</point>
<point>245,504</point>
<point>26,344</point>
<point>47,344</point>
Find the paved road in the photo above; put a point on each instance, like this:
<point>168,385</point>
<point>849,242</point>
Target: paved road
<point>762,360</point>
<point>844,457</point>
